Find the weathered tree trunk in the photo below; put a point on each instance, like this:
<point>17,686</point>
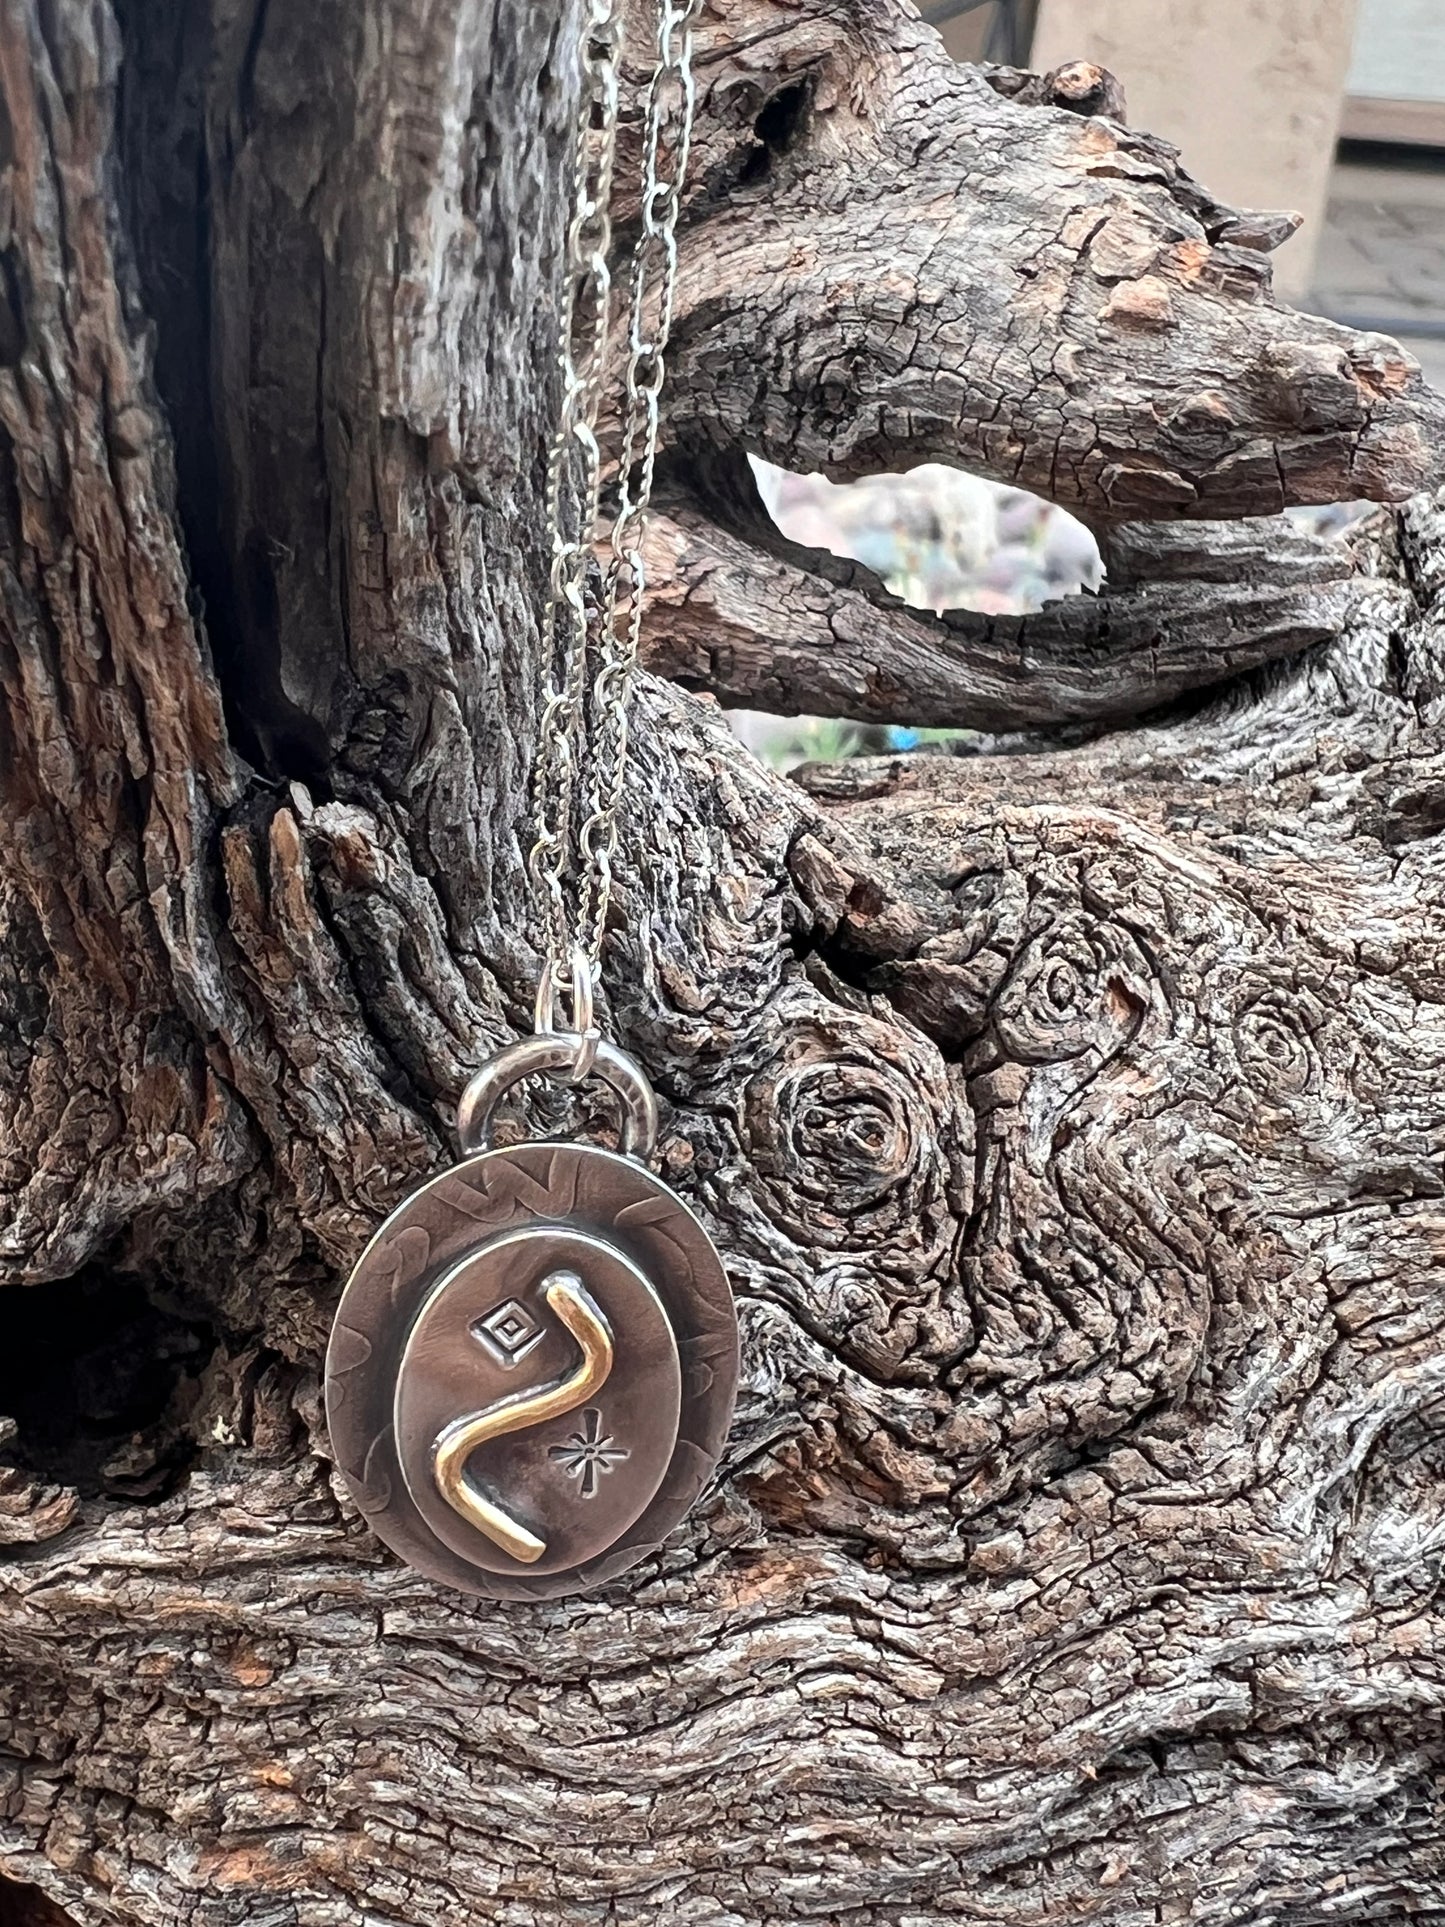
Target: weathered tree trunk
<point>1071,1114</point>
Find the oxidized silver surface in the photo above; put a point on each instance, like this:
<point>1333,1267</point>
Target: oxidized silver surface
<point>546,1332</point>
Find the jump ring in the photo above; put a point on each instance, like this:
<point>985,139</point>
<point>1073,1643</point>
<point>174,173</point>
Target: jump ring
<point>582,1028</point>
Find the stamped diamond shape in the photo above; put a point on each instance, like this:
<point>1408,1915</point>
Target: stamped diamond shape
<point>509,1332</point>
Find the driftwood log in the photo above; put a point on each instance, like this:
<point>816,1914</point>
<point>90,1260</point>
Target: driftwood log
<point>1071,1113</point>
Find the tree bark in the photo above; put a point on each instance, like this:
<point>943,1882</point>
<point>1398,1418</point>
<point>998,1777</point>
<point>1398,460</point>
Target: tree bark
<point>1069,1113</point>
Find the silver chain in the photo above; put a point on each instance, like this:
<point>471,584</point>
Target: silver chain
<point>580,774</point>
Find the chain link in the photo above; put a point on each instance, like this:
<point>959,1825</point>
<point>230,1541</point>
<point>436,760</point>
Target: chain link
<point>582,749</point>
<point>586,310</point>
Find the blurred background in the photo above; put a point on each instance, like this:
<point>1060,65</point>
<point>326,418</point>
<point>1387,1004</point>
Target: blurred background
<point>1335,108</point>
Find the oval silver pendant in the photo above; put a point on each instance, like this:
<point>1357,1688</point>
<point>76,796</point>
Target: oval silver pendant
<point>532,1370</point>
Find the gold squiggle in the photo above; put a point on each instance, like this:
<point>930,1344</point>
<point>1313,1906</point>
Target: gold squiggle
<point>580,1314</point>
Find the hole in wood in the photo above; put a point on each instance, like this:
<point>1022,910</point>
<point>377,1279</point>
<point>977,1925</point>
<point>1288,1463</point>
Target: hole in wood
<point>777,128</point>
<point>99,1378</point>
<point>939,537</point>
<point>22,1905</point>
<point>782,120</point>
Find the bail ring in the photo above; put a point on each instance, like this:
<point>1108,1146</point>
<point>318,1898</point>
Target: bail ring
<point>560,1054</point>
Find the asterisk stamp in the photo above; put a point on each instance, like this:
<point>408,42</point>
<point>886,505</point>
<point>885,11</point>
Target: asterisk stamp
<point>588,1453</point>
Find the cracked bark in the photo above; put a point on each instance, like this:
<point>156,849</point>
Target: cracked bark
<point>1069,1114</point>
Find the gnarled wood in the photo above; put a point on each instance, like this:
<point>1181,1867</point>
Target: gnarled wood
<point>1071,1118</point>
<point>763,625</point>
<point>904,267</point>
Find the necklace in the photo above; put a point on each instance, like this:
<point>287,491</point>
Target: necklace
<point>533,1365</point>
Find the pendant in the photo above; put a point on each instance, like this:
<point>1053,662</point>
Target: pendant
<point>533,1365</point>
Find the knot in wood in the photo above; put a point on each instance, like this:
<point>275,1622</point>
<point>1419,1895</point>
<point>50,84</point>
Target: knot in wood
<point>1270,1044</point>
<point>849,1129</point>
<point>1079,988</point>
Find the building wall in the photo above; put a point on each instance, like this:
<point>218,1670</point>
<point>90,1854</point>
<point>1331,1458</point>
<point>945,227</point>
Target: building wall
<point>1251,90</point>
<point>1400,50</point>
<point>980,33</point>
<point>966,37</point>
